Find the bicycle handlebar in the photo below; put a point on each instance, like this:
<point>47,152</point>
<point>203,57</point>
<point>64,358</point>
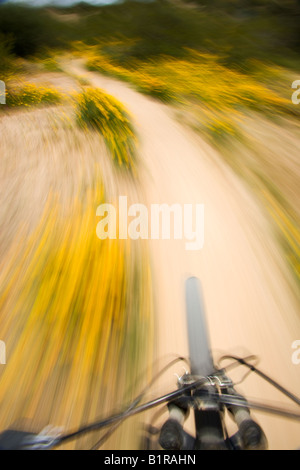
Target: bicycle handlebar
<point>191,394</point>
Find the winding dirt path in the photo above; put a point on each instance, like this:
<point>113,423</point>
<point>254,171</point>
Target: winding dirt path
<point>250,307</point>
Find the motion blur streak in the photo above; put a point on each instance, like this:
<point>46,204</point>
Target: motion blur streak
<point>249,291</point>
<point>75,310</point>
<point>76,313</point>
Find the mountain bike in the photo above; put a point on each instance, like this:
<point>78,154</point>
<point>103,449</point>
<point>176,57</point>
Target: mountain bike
<point>206,389</point>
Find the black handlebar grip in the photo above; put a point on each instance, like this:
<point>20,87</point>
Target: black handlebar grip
<point>13,440</point>
<point>252,435</point>
<point>171,435</point>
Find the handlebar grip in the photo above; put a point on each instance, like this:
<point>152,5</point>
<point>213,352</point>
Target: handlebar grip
<point>14,440</point>
<point>171,435</point>
<point>252,435</point>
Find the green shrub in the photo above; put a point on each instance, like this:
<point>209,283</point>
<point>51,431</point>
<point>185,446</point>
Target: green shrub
<point>102,112</point>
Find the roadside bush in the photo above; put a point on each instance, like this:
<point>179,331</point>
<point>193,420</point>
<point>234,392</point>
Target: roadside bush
<point>103,113</point>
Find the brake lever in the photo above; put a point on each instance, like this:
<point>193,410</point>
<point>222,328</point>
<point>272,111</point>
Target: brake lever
<point>20,440</point>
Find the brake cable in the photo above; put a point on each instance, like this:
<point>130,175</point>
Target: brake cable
<point>126,414</point>
<point>226,399</point>
<point>263,376</point>
<point>136,401</point>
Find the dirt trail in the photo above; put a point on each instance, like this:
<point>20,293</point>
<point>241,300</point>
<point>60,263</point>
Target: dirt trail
<point>250,307</point>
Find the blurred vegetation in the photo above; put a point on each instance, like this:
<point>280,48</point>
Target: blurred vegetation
<point>7,59</point>
<point>78,309</point>
<point>236,30</point>
<point>30,29</point>
<point>203,85</point>
<point>140,42</point>
<point>49,63</point>
<point>106,115</point>
<point>288,231</point>
<point>215,59</point>
<point>31,95</point>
